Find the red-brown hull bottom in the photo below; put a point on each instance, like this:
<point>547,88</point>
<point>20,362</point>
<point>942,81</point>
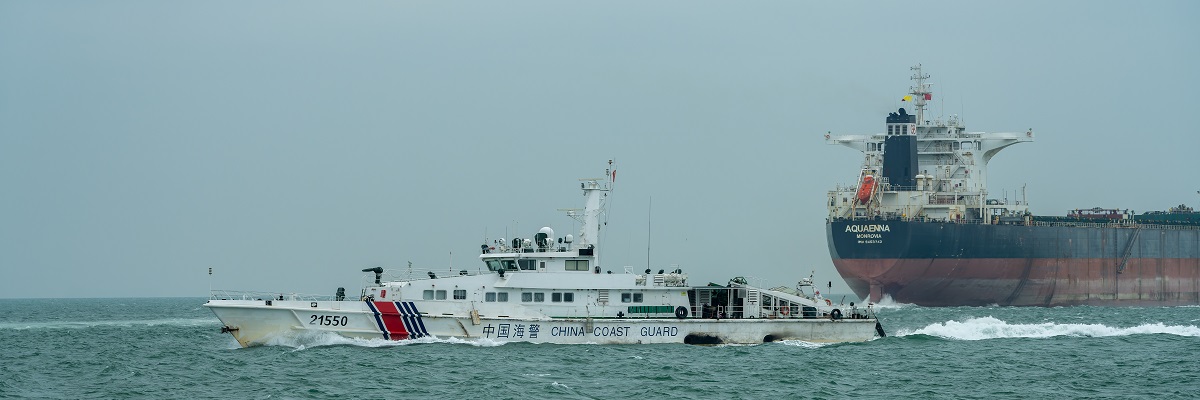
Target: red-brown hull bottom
<point>1025,282</point>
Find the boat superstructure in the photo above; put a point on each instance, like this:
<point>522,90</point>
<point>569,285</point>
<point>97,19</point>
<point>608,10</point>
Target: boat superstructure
<point>553,289</point>
<point>933,170</point>
<point>919,226</point>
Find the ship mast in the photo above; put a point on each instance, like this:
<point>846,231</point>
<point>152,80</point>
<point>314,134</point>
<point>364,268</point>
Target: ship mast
<point>920,93</point>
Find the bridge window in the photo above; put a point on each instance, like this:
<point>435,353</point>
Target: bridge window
<point>539,297</point>
<point>439,294</point>
<point>527,265</point>
<point>501,265</point>
<point>427,295</point>
<point>577,265</point>
<point>626,297</point>
<point>460,294</point>
<point>490,297</point>
<point>526,297</point>
<point>637,297</point>
<point>502,297</point>
<point>569,297</point>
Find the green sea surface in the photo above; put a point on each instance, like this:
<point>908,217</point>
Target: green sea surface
<point>172,348</point>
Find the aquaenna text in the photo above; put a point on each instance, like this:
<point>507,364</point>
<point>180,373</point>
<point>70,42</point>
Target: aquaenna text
<point>868,228</point>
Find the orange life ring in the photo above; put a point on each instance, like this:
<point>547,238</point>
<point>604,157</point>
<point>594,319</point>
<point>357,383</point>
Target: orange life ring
<point>785,310</point>
<point>828,302</point>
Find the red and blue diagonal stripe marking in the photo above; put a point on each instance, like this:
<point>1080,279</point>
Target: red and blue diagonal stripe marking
<point>398,320</point>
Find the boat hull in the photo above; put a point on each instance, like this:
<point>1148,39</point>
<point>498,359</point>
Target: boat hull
<point>253,322</point>
<point>949,264</point>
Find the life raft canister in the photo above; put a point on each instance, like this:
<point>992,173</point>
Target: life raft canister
<point>865,189</point>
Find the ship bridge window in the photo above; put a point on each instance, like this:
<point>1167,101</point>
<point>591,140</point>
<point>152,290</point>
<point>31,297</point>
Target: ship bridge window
<point>427,295</point>
<point>539,297</point>
<point>968,145</point>
<point>501,265</point>
<point>460,294</point>
<point>489,297</point>
<point>502,297</point>
<point>577,265</point>
<point>562,297</point>
<point>527,265</point>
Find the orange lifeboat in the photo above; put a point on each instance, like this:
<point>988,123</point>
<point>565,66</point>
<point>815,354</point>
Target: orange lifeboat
<point>865,189</point>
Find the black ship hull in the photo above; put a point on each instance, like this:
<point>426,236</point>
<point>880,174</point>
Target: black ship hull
<point>961,264</point>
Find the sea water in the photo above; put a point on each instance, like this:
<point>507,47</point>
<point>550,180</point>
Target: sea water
<point>172,348</point>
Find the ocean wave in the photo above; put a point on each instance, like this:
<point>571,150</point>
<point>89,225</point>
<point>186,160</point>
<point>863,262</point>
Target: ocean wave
<point>801,343</point>
<point>992,328</point>
<point>888,303</point>
<point>20,326</point>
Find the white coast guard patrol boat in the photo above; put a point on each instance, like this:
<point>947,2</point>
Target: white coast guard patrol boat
<point>553,290</point>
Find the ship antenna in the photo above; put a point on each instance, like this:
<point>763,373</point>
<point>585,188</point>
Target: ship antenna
<point>649,212</point>
<point>920,92</point>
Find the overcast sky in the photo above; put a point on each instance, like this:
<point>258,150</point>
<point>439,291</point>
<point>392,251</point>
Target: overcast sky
<point>289,144</point>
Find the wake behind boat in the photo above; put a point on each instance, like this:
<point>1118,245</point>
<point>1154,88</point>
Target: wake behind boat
<point>552,290</point>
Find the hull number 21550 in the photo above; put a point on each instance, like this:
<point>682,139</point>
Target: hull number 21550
<point>328,320</point>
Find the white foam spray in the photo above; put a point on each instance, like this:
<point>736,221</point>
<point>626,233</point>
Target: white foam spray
<point>992,328</point>
<point>888,303</point>
<point>801,343</point>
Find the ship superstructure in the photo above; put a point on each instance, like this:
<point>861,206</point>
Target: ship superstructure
<point>925,169</point>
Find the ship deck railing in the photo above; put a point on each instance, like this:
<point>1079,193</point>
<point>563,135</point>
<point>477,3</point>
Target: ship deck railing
<point>261,295</point>
<point>764,311</point>
<point>1076,224</point>
<point>1126,225</point>
<point>416,274</point>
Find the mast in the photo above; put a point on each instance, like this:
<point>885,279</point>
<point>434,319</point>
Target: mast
<point>593,206</point>
<point>920,93</point>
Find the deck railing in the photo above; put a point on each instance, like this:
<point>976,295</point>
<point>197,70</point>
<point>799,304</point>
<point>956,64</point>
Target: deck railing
<point>976,221</point>
<point>260,295</point>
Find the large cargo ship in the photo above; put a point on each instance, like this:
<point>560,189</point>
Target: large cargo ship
<point>920,227</point>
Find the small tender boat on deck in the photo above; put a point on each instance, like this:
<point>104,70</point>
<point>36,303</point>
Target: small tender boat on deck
<point>552,289</point>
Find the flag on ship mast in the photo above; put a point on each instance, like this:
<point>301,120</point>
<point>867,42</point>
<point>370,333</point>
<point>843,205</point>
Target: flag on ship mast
<point>907,98</point>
